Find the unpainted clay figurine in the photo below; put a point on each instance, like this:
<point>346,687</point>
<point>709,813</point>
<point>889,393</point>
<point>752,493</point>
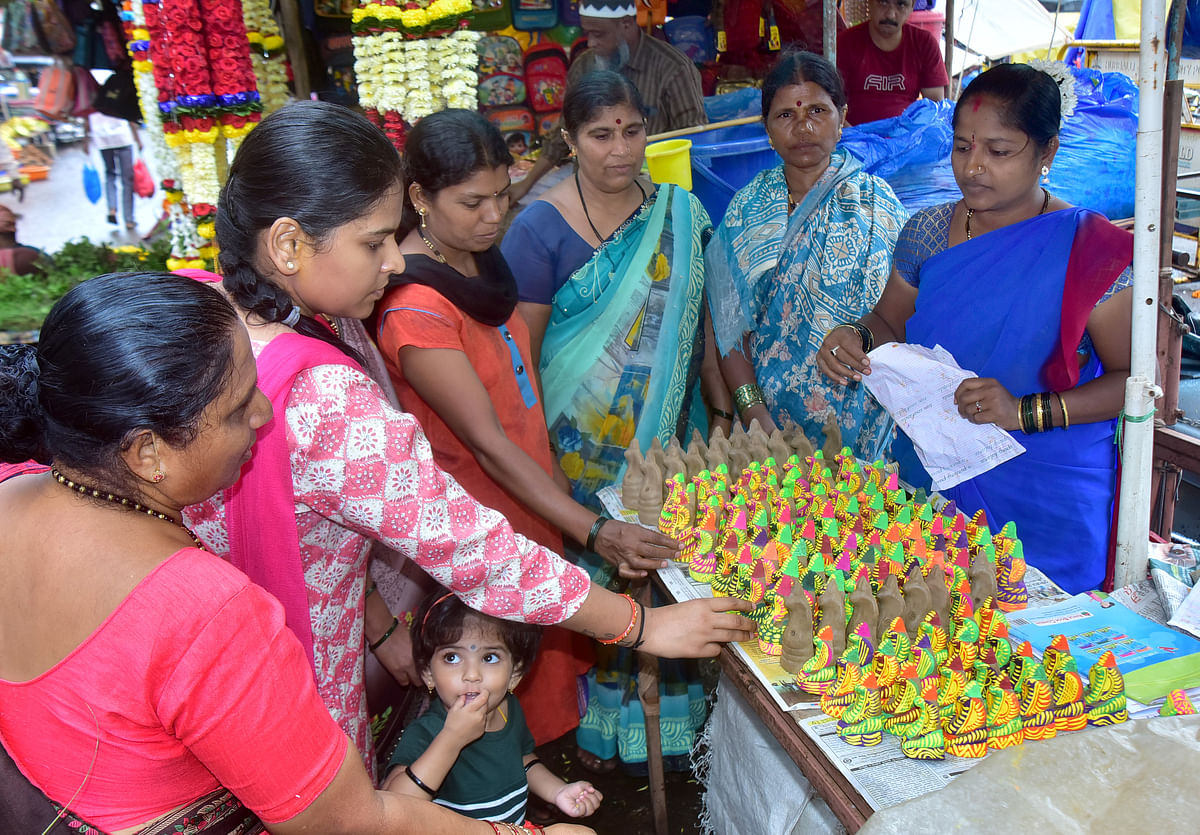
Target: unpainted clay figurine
<point>798,635</point>
<point>982,577</point>
<point>657,454</point>
<point>694,461</point>
<point>778,448</point>
<point>891,603</point>
<point>697,443</point>
<point>757,442</point>
<point>833,614</point>
<point>650,497</point>
<point>673,460</point>
<point>917,600</point>
<point>793,433</point>
<point>939,594</point>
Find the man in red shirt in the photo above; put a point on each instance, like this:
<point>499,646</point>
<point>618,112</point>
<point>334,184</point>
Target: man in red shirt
<point>885,63</point>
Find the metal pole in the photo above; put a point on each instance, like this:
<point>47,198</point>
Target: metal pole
<point>1170,331</point>
<point>293,38</point>
<point>1133,524</point>
<point>950,48</point>
<point>829,31</point>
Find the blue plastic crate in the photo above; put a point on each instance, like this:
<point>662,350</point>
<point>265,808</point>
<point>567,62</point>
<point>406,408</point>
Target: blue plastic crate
<point>724,160</point>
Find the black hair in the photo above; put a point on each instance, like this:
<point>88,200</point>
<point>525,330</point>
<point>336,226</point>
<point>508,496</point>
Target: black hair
<point>1029,99</point>
<point>797,67</point>
<point>321,164</point>
<point>446,148</point>
<point>442,617</point>
<point>117,354</point>
<point>514,138</point>
<point>595,91</point>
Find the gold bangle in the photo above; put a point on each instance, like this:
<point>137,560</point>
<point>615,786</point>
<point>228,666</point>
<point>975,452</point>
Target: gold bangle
<point>1062,404</point>
<point>747,397</point>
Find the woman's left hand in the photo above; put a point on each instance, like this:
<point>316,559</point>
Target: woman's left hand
<point>985,400</point>
<point>634,550</point>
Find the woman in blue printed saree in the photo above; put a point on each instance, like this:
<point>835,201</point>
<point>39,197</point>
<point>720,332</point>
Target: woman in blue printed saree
<point>803,246</point>
<point>611,280</point>
<point>1034,307</point>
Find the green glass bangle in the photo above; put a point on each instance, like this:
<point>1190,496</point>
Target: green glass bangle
<point>386,635</point>
<point>590,545</point>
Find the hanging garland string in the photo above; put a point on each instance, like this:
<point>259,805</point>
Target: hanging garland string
<point>413,60</point>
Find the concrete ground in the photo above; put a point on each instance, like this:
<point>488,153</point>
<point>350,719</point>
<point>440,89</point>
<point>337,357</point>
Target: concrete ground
<point>55,210</point>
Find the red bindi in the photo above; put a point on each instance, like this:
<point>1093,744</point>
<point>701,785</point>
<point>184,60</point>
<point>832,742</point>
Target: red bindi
<point>799,103</point>
<point>618,121</point>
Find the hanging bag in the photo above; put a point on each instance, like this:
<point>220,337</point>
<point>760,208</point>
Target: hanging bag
<point>91,183</point>
<point>143,183</point>
<point>56,32</point>
<point>56,92</point>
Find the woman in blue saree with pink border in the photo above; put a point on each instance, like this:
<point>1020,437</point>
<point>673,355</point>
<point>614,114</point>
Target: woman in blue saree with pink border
<point>1033,307</point>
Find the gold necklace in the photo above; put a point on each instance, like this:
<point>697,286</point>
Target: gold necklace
<point>333,325</point>
<point>436,254</point>
<point>84,490</point>
<point>971,212</point>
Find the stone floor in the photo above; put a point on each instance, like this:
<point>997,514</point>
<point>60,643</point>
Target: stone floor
<point>55,210</point>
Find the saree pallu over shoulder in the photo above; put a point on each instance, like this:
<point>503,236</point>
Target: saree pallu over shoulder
<point>1003,306</point>
<point>787,281</point>
<point>260,510</point>
<point>617,357</point>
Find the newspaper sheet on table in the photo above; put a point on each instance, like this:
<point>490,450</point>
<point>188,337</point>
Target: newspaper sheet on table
<point>880,773</point>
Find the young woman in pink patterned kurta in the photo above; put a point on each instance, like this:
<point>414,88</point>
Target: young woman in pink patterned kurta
<point>312,235</point>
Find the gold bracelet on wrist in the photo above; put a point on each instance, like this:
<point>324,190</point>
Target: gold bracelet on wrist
<point>747,397</point>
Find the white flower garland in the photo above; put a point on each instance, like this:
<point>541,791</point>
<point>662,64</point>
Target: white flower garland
<point>266,53</point>
<point>416,77</point>
<point>1062,76</point>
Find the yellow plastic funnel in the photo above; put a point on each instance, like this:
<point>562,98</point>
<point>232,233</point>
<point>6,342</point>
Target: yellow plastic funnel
<point>671,162</point>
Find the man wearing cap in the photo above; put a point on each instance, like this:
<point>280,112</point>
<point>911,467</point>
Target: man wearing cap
<point>666,78</point>
<point>885,63</point>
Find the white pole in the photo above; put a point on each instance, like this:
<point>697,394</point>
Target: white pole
<point>829,30</point>
<point>1133,523</point>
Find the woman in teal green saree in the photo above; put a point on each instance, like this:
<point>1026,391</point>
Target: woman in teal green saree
<point>611,280</point>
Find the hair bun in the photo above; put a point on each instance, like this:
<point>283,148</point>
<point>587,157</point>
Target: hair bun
<point>22,434</point>
<point>1061,74</point>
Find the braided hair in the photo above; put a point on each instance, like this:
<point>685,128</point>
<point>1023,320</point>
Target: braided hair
<point>321,164</point>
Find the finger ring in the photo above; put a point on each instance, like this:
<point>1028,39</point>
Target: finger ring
<point>978,407</point>
<point>833,351</point>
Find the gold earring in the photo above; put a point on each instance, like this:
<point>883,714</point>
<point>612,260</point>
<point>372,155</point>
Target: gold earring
<point>157,475</point>
<point>421,212</point>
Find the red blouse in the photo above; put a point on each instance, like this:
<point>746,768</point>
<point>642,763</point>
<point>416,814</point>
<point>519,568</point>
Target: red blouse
<point>193,682</point>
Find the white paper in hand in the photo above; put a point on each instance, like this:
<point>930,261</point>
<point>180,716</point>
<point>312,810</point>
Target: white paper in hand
<point>916,385</point>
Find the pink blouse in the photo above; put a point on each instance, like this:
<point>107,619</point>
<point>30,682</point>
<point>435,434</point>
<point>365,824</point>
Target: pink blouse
<point>193,682</point>
<point>363,471</point>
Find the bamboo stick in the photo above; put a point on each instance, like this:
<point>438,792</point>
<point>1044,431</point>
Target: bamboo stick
<point>728,123</point>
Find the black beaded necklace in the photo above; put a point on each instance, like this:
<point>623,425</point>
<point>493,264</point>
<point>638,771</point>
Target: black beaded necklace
<point>84,490</point>
<point>583,203</point>
<point>971,212</point>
